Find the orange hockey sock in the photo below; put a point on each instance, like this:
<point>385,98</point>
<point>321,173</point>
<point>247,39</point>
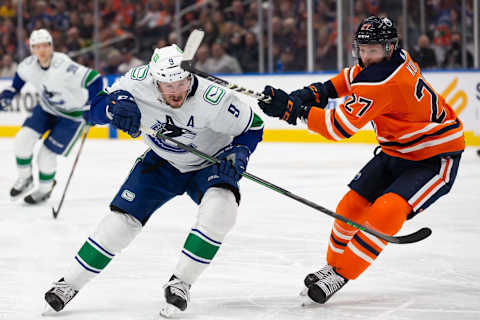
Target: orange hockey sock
<point>387,214</point>
<point>352,206</point>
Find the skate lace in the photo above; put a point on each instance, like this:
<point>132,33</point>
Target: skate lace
<point>21,183</point>
<point>325,271</point>
<point>179,288</point>
<point>64,291</point>
<point>331,284</point>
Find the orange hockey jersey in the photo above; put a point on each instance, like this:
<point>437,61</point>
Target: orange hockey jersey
<point>411,120</point>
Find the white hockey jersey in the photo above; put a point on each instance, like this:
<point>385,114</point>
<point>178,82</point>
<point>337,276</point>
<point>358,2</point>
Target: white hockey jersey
<point>62,87</point>
<point>210,117</point>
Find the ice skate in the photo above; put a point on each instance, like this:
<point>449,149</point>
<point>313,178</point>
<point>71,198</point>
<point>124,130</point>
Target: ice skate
<point>314,277</point>
<point>59,295</point>
<point>21,187</point>
<point>325,287</point>
<point>39,196</point>
<point>177,295</point>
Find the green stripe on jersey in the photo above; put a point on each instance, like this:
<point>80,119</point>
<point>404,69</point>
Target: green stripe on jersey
<point>93,257</point>
<point>257,122</point>
<point>75,114</point>
<point>200,247</point>
<point>91,76</point>
<point>23,162</point>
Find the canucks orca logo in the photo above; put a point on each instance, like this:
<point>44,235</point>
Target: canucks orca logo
<point>53,98</point>
<point>172,131</point>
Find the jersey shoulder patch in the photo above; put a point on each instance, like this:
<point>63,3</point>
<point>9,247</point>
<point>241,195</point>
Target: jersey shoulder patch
<point>214,94</point>
<point>139,73</point>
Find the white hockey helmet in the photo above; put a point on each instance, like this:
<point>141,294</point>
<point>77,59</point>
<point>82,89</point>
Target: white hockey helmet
<point>165,64</point>
<point>40,36</point>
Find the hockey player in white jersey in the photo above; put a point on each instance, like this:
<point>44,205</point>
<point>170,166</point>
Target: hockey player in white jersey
<point>65,89</point>
<point>162,96</point>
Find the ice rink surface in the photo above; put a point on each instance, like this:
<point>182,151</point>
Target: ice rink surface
<point>259,270</point>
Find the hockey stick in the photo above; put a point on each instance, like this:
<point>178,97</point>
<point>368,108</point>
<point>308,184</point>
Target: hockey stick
<point>193,42</point>
<point>56,212</point>
<point>410,238</point>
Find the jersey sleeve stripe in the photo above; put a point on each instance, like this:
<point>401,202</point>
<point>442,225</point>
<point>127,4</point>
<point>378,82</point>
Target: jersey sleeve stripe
<point>345,121</point>
<point>257,122</point>
<point>352,70</point>
<point>328,122</point>
<point>339,127</point>
<point>90,76</point>
<point>346,73</point>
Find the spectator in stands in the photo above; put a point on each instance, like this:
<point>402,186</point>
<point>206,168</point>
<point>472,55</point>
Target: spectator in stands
<point>73,42</point>
<point>8,67</point>
<point>88,27</point>
<point>172,38</point>
<point>287,61</point>
<point>211,32</point>
<point>114,59</point>
<point>7,9</point>
<point>40,17</point>
<point>221,62</point>
<point>236,12</point>
<point>60,18</point>
<point>129,61</point>
<point>424,55</point>
<point>249,54</point>
<point>201,57</point>
<point>326,53</point>
<point>453,57</point>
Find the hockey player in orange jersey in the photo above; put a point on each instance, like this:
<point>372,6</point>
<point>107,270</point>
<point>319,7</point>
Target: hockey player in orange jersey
<point>421,141</point>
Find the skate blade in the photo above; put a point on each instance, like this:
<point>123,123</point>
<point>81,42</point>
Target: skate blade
<point>25,193</point>
<point>48,311</point>
<point>305,300</point>
<point>303,293</point>
<point>167,310</point>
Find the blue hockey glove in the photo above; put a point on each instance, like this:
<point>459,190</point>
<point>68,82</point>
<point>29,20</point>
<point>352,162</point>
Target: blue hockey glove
<point>233,158</point>
<point>314,95</point>
<point>125,113</point>
<point>283,106</point>
<point>6,98</point>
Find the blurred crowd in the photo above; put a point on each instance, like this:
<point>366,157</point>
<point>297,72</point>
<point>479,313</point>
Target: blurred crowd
<point>130,29</point>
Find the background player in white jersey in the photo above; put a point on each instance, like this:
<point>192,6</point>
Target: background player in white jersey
<point>162,96</point>
<point>65,89</point>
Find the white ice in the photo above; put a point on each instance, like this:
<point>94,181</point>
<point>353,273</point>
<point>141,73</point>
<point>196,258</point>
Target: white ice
<point>259,270</point>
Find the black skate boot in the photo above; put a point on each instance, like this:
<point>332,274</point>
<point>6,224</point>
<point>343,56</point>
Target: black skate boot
<point>60,294</point>
<point>177,295</point>
<point>326,287</point>
<point>21,186</point>
<point>313,278</point>
<point>39,196</point>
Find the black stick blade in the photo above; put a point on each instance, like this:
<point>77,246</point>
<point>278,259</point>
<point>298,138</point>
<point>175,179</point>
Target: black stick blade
<point>54,213</point>
<point>415,237</point>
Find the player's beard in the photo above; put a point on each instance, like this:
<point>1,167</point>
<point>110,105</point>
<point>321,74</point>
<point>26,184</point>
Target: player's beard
<point>175,101</point>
